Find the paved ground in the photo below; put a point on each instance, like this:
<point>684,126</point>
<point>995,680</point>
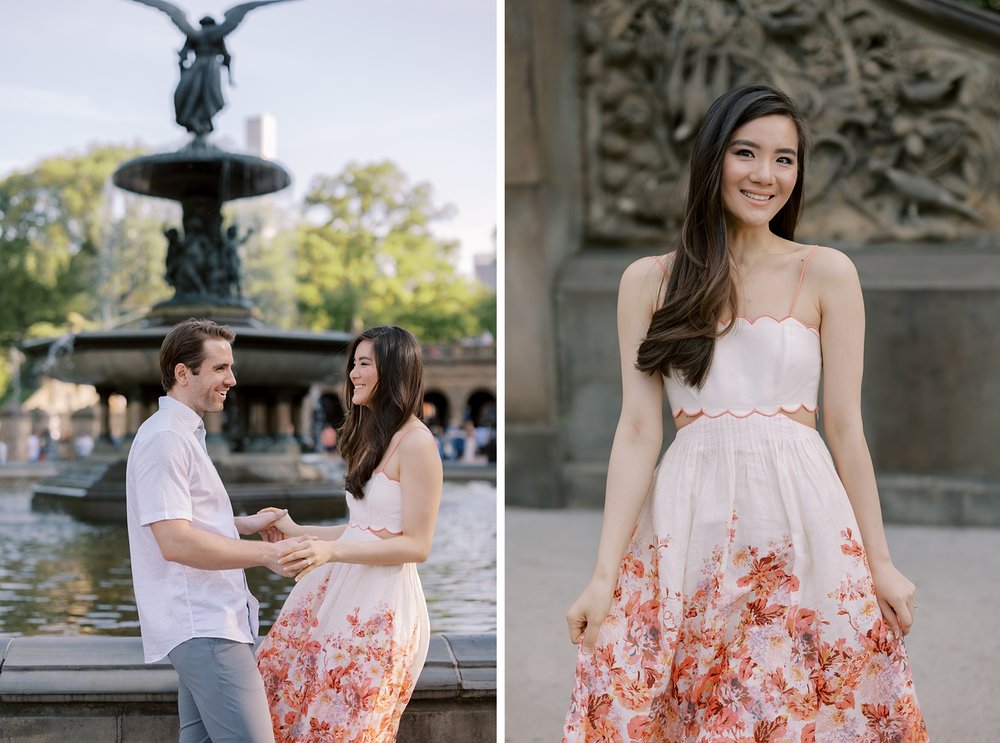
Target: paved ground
<point>954,647</point>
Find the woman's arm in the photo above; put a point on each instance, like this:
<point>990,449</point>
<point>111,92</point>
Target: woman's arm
<point>285,527</point>
<point>843,338</point>
<point>637,444</point>
<point>181,542</point>
<point>260,522</point>
<point>420,479</point>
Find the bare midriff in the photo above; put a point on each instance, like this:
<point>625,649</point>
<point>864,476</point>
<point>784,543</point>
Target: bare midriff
<point>803,416</point>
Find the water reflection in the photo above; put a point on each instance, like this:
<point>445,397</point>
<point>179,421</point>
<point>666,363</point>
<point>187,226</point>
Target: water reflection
<point>62,577</point>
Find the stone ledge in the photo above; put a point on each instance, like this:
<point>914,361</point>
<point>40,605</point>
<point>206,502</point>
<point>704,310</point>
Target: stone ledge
<point>110,670</point>
<point>99,688</point>
<point>928,500</point>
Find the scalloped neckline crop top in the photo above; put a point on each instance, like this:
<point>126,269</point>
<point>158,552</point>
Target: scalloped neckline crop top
<point>765,365</point>
<point>382,505</point>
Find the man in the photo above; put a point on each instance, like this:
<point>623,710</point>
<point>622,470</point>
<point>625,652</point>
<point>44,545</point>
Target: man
<point>187,557</point>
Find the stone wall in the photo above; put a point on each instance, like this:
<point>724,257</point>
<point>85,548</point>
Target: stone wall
<point>903,97</point>
<point>62,689</point>
<point>542,230</point>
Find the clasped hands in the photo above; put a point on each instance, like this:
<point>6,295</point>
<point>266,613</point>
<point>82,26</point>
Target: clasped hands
<point>298,553</point>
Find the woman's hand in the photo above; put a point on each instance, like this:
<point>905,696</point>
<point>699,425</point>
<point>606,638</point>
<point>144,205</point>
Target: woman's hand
<point>588,612</point>
<point>895,596</point>
<point>307,555</point>
<point>280,529</point>
<point>263,523</point>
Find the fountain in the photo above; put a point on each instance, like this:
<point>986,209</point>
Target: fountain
<point>255,442</point>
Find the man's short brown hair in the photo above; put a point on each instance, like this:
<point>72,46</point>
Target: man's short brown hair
<point>185,344</point>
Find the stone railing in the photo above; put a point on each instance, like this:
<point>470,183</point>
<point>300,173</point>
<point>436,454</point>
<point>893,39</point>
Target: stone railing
<point>95,688</point>
<point>458,352</point>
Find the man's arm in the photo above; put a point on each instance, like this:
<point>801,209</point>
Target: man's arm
<point>181,542</point>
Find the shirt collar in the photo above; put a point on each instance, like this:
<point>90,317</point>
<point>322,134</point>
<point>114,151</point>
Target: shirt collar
<point>182,411</point>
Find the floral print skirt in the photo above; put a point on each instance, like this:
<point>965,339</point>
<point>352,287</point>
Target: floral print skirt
<point>744,609</point>
<point>341,661</point>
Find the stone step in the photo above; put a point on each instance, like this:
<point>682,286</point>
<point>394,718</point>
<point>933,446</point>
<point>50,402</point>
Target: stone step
<point>94,688</point>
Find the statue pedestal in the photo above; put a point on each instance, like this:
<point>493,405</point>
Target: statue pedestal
<point>170,313</point>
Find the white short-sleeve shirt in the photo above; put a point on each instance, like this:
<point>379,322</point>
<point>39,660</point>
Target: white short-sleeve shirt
<point>170,476</point>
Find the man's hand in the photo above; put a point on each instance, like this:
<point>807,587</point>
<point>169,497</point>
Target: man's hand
<point>261,522</point>
<point>309,554</point>
<point>277,549</point>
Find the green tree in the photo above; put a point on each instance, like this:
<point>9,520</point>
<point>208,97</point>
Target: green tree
<point>64,257</point>
<point>366,256</point>
<point>268,257</point>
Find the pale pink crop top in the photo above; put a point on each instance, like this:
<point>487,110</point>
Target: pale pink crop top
<point>764,365</point>
<point>382,506</point>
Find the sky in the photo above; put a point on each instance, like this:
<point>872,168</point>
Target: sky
<point>412,82</point>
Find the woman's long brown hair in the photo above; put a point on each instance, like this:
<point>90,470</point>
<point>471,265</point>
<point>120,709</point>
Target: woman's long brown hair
<point>701,289</point>
<point>398,394</point>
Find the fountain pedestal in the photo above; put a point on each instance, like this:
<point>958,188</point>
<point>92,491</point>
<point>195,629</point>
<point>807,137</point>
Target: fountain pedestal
<point>256,442</point>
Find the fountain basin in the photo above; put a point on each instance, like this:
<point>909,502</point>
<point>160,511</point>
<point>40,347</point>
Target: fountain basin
<point>255,443</point>
<point>201,172</point>
<point>125,357</point>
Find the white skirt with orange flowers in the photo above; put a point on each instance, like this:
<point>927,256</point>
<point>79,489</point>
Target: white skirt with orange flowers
<point>341,661</point>
<point>744,609</point>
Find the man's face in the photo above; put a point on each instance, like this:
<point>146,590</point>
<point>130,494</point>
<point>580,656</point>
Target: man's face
<point>205,392</point>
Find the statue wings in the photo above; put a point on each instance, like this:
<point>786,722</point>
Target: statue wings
<point>232,17</point>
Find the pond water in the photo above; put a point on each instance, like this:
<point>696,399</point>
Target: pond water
<point>59,576</point>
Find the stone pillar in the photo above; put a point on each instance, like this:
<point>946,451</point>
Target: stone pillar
<point>104,442</point>
<point>14,429</point>
<point>218,447</point>
<point>257,423</point>
<point>303,407</point>
<point>134,414</point>
<point>284,426</point>
<point>542,228</point>
<point>457,402</point>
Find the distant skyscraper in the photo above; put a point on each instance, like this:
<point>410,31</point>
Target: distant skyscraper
<point>262,136</point>
<point>486,269</point>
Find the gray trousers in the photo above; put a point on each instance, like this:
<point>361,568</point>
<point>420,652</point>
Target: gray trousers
<point>220,697</point>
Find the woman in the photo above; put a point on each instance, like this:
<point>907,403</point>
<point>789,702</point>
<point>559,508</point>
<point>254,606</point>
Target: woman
<point>743,589</point>
<point>341,661</point>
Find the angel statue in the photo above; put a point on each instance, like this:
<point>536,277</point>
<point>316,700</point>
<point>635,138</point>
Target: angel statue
<point>199,92</point>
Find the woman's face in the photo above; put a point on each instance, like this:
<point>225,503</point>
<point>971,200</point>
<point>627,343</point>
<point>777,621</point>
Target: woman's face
<point>364,375</point>
<point>759,170</point>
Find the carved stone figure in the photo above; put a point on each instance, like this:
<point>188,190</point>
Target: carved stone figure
<point>226,280</point>
<point>198,97</point>
<point>903,119</point>
<point>186,259</point>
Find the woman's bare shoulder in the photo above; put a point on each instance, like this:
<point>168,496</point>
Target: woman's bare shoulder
<point>650,271</point>
<point>416,440</point>
<point>832,265</point>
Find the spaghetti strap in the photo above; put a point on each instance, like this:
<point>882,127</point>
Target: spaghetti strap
<point>798,288</point>
<point>386,461</point>
<point>659,262</point>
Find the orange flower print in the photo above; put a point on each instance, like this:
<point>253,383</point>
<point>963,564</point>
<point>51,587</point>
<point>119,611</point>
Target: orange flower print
<point>357,697</point>
<point>851,546</point>
<point>770,731</point>
<point>737,656</point>
<point>767,576</point>
<point>759,613</point>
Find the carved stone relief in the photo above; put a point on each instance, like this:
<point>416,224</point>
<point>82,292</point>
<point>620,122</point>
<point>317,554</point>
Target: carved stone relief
<point>904,122</point>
